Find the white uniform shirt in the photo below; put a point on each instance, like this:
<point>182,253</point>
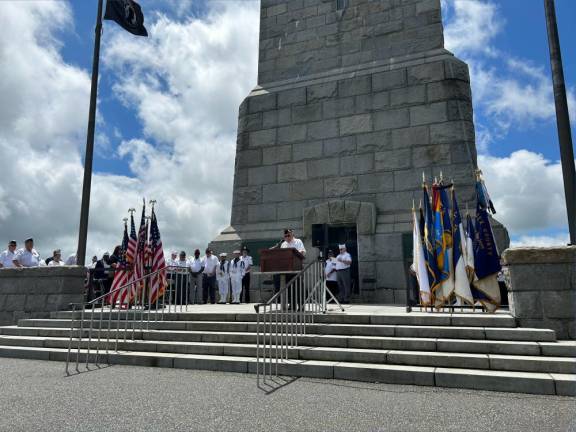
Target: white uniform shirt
<point>27,258</point>
<point>196,264</point>
<point>330,265</point>
<point>247,260</point>
<point>210,264</point>
<point>6,258</point>
<point>71,260</point>
<point>344,256</point>
<point>236,268</point>
<point>54,263</point>
<point>223,269</point>
<point>183,265</point>
<point>294,244</point>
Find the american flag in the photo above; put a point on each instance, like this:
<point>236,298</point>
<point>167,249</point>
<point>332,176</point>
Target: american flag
<point>132,242</point>
<point>158,278</point>
<point>139,263</point>
<point>122,274</point>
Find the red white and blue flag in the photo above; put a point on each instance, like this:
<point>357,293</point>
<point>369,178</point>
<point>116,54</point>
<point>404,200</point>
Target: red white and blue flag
<point>158,279</point>
<point>122,274</point>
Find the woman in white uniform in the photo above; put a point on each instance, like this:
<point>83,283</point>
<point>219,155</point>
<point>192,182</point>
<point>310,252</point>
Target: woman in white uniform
<point>223,278</point>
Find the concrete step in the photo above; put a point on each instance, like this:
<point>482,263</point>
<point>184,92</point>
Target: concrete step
<point>508,381</point>
<point>415,318</point>
<point>448,332</point>
<point>415,358</point>
<point>341,341</point>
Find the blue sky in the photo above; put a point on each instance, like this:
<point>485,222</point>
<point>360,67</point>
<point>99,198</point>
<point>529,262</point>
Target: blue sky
<point>167,101</point>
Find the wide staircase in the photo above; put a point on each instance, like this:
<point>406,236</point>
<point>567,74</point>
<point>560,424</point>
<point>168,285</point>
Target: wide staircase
<point>375,344</point>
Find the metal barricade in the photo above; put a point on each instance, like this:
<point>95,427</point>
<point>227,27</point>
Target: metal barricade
<point>285,317</point>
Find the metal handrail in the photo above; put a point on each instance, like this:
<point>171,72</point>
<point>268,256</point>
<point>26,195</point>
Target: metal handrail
<point>143,310</point>
<point>285,317</point>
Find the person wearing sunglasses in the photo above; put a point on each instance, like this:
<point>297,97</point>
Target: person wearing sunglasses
<point>292,242</point>
<point>8,255</point>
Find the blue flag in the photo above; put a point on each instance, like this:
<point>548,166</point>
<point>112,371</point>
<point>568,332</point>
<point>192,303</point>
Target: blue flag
<point>486,257</point>
<point>428,237</point>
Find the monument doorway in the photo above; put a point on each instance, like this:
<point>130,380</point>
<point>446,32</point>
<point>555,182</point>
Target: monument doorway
<point>327,237</point>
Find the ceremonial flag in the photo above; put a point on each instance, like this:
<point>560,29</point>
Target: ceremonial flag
<point>419,262</point>
<point>470,238</point>
<point>139,264</point>
<point>461,282</point>
<point>442,244</point>
<point>158,279</point>
<point>429,245</point>
<point>122,274</point>
<point>127,14</point>
<point>132,243</point>
<point>482,194</point>
<point>487,263</point>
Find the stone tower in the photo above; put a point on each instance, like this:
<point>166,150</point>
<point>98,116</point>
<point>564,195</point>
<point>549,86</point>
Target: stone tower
<point>355,100</point>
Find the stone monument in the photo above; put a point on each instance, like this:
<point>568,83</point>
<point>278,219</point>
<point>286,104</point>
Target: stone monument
<point>355,100</point>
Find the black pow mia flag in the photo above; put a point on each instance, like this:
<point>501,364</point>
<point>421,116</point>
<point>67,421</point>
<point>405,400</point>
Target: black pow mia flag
<point>127,14</point>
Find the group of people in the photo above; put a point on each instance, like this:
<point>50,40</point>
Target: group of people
<point>27,256</point>
<point>229,278</point>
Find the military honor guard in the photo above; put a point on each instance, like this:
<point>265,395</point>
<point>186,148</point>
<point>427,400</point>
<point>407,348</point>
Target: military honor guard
<point>247,264</point>
<point>7,257</point>
<point>343,262</point>
<point>27,256</point>
<point>223,278</point>
<point>236,274</point>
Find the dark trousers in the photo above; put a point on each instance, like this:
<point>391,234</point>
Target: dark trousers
<point>245,288</point>
<point>344,282</point>
<point>181,289</point>
<point>209,288</point>
<point>333,287</point>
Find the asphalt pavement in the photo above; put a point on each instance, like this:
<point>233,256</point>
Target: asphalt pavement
<point>36,396</point>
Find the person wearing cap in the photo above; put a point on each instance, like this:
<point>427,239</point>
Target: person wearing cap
<point>56,260</point>
<point>223,278</point>
<point>182,279</point>
<point>27,256</point>
<point>7,256</point>
<point>343,262</point>
<point>172,260</point>
<point>210,263</point>
<point>236,274</point>
<point>331,274</point>
<point>247,264</point>
<point>196,267</point>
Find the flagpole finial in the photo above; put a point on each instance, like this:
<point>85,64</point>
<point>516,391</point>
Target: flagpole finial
<point>420,204</point>
<point>423,178</point>
<point>125,220</point>
<point>441,177</point>
<point>413,205</point>
<point>131,210</point>
<point>152,202</point>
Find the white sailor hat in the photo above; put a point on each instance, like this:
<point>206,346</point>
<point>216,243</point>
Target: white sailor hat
<point>236,251</point>
<point>223,254</point>
<point>341,246</point>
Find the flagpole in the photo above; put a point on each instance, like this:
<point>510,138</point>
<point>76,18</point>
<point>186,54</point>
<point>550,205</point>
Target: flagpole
<point>86,185</point>
<point>562,118</point>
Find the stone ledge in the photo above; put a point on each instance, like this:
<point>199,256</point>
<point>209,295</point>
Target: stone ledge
<point>39,272</point>
<point>540,255</point>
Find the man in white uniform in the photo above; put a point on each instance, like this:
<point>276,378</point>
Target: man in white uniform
<point>223,278</point>
<point>292,242</point>
<point>7,256</point>
<point>27,256</point>
<point>247,264</point>
<point>236,274</point>
<point>196,267</point>
<point>210,263</point>
<point>343,262</point>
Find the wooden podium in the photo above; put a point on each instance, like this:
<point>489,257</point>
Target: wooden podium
<point>280,260</point>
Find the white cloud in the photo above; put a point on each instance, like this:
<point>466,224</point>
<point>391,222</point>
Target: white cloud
<point>541,241</point>
<point>186,87</point>
<point>527,191</point>
<point>472,25</point>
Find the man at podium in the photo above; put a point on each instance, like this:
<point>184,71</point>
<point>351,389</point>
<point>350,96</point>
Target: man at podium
<point>292,242</point>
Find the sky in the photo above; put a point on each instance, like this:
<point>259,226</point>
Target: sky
<point>168,104</point>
